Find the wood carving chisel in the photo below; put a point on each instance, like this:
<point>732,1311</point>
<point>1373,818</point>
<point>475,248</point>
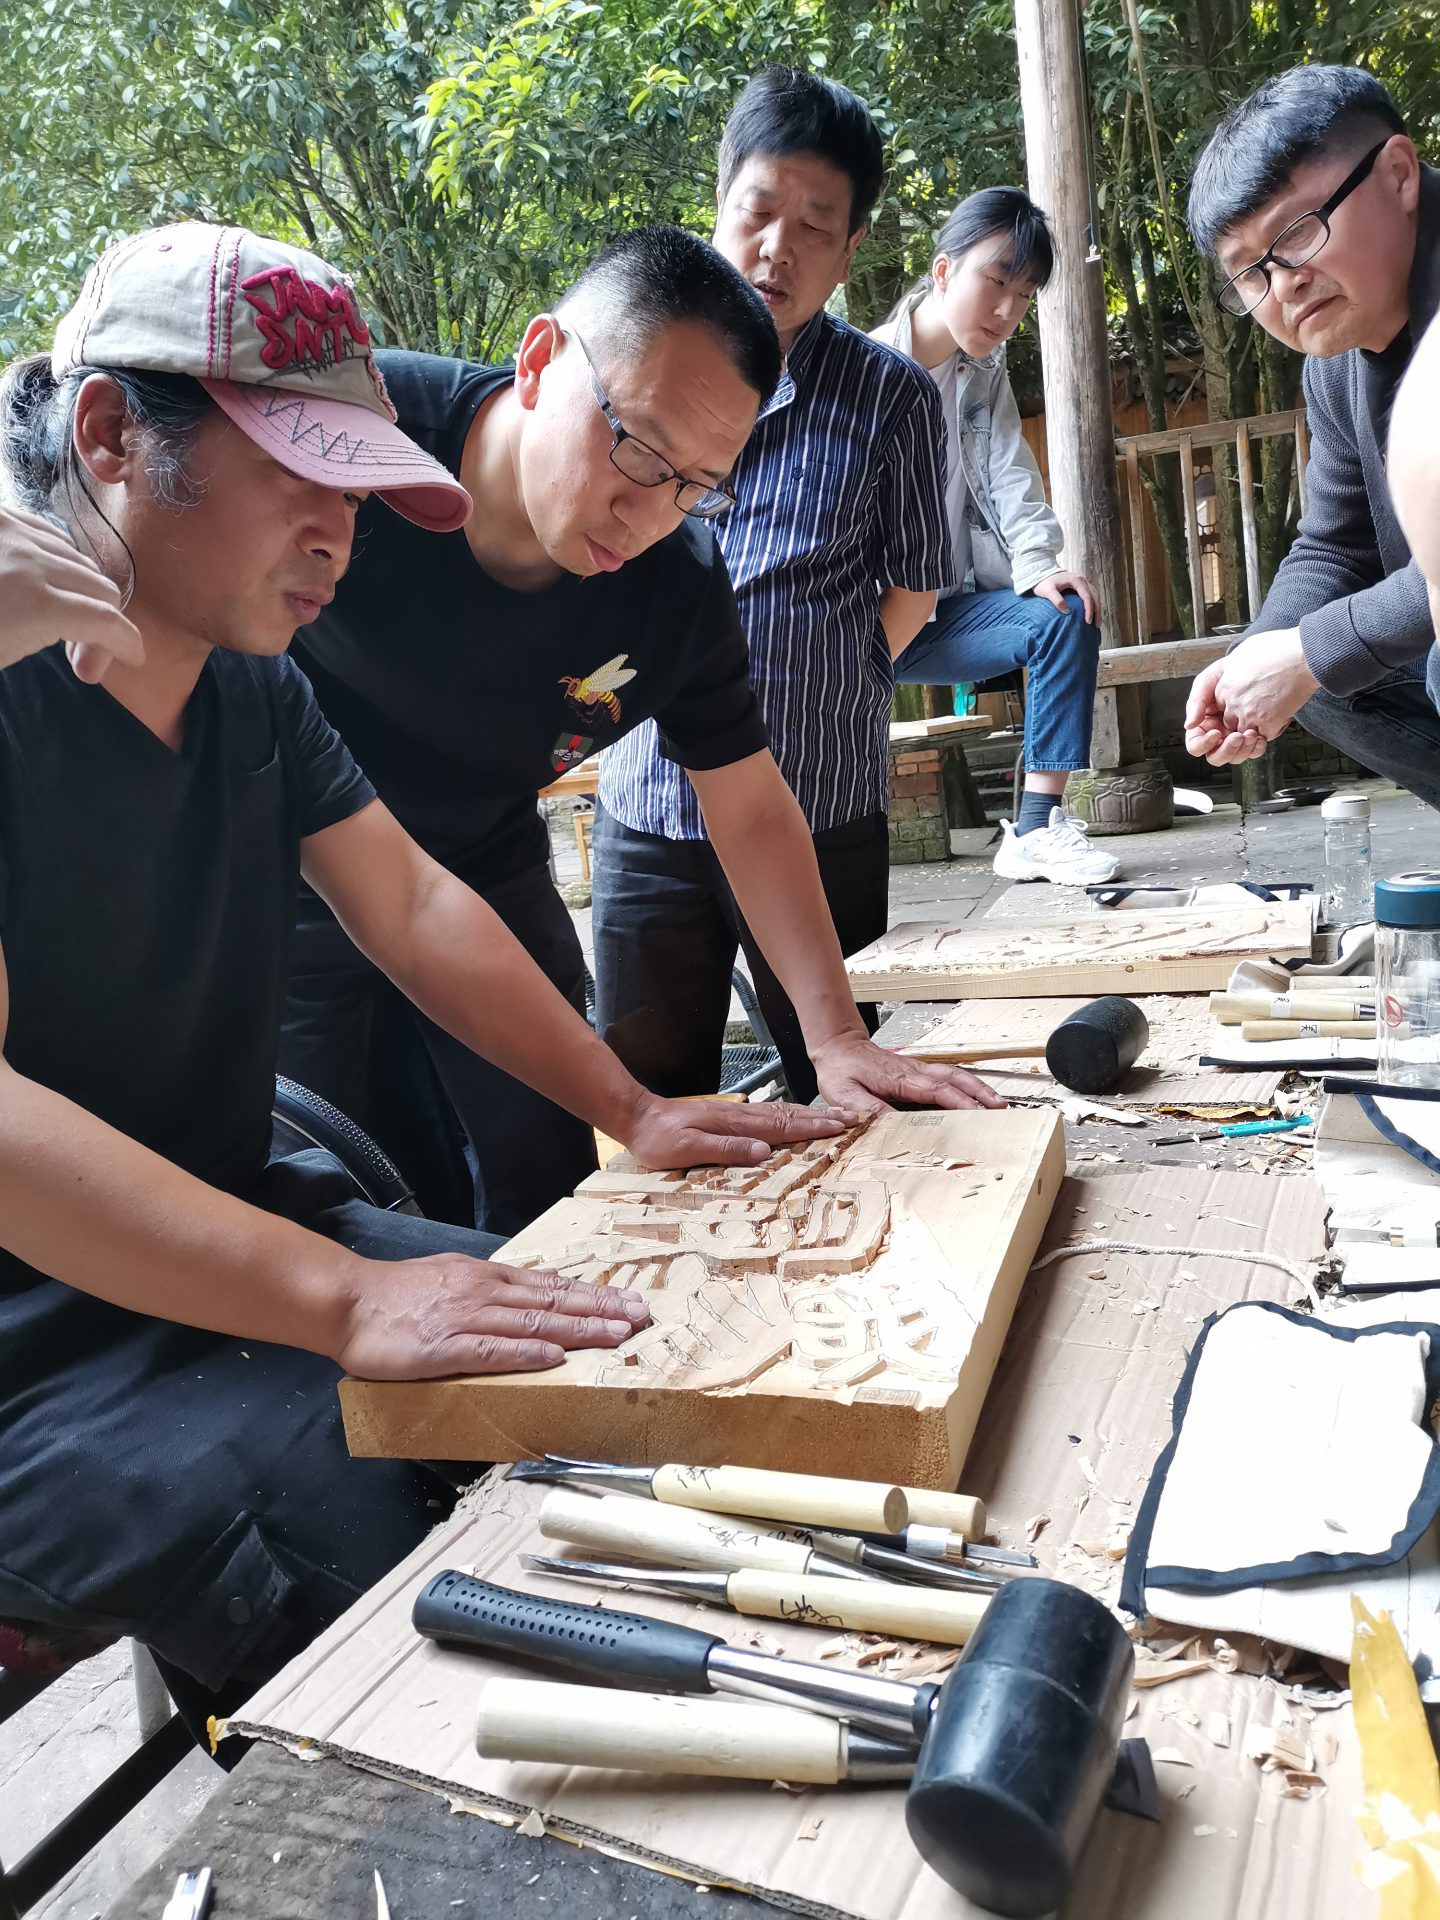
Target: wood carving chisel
<point>629,1649</point>
<point>809,1498</point>
<point>939,1543</point>
<point>801,1498</point>
<point>856,1606</point>
<point>1270,1030</point>
<point>1231,1009</point>
<point>548,1720</point>
<point>608,1524</point>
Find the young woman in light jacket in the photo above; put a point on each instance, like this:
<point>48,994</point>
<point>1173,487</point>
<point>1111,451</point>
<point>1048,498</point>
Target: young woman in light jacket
<point>1014,605</point>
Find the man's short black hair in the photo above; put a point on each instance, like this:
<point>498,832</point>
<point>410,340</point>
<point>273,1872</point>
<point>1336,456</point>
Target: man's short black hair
<point>786,111</point>
<point>1294,117</point>
<point>654,277</point>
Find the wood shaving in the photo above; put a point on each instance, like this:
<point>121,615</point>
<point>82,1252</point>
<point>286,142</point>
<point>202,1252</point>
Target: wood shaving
<point>1035,1526</point>
<point>532,1826</point>
<point>1204,1833</point>
<point>881,1651</point>
<point>811,1829</point>
<point>1283,1747</point>
<point>1159,1673</point>
<point>1299,1785</point>
<point>1326,1749</point>
<point>1217,1728</point>
<point>785,1786</point>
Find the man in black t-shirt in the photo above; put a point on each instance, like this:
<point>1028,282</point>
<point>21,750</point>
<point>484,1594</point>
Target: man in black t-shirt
<point>174,1311</point>
<point>585,596</point>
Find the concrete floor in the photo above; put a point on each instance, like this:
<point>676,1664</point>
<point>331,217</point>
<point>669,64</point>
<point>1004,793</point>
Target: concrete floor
<point>53,1752</point>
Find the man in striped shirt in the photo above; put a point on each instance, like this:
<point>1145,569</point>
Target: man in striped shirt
<point>836,546</point>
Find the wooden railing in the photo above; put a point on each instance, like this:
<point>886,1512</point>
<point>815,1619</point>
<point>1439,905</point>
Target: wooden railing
<point>1175,659</point>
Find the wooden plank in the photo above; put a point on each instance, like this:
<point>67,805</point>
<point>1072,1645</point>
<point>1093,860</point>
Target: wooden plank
<point>1135,491</point>
<point>1109,953</point>
<point>1192,535</point>
<point>1215,433</point>
<point>940,726</point>
<point>1247,518</point>
<point>846,1301</point>
<point>1159,660</point>
<point>1302,456</point>
<point>582,779</point>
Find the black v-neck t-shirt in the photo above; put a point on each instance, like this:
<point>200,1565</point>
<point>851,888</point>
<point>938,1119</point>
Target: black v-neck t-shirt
<point>147,898</point>
<point>459,695</point>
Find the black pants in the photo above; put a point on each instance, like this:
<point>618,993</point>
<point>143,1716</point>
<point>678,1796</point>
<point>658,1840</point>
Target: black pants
<point>352,1037</point>
<point>194,1491</point>
<point>667,930</point>
<point>1392,728</point>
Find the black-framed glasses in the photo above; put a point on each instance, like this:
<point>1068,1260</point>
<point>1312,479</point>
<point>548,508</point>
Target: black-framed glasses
<point>645,466</point>
<point>1299,242</point>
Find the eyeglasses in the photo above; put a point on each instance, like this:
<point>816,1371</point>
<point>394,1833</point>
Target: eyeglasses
<point>645,466</point>
<point>1299,242</point>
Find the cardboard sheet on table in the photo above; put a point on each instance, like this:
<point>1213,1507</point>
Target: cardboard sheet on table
<point>1168,1075</point>
<point>1076,1414</point>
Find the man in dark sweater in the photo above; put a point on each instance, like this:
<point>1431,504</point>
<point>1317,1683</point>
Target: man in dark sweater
<point>1314,204</point>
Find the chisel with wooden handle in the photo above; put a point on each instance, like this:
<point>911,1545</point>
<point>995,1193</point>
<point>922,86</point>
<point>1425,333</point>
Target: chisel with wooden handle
<point>658,1656</point>
<point>618,1528</point>
<point>662,1733</point>
<point>801,1499</point>
<point>919,1613</point>
<point>1230,1009</point>
<point>809,1499</point>
<point>1308,1029</point>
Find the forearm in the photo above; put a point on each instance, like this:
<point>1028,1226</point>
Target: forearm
<point>769,860</point>
<point>463,967</point>
<point>902,615</point>
<point>87,1205</point>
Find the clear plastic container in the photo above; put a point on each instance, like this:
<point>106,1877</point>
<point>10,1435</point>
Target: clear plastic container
<point>1349,892</point>
<point>1407,978</point>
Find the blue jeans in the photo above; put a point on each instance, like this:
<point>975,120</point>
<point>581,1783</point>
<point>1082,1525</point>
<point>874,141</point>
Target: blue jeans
<point>1392,728</point>
<point>975,636</point>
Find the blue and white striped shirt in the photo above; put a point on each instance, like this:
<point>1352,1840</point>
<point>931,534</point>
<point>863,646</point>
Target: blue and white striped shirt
<point>840,494</point>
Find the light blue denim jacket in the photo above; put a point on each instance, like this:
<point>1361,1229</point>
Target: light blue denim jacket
<point>1013,538</point>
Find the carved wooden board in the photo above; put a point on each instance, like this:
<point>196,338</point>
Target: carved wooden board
<point>839,1309</point>
<point>1108,953</point>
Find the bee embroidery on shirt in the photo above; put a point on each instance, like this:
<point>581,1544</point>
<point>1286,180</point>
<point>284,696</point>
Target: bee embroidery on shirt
<point>597,690</point>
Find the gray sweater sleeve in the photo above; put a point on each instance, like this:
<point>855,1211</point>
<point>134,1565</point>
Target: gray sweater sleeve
<point>1356,623</point>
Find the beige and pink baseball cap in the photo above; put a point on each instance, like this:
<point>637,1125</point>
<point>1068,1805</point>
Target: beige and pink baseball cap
<point>277,339</point>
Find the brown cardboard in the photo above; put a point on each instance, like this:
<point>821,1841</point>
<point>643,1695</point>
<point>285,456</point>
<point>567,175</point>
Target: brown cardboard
<point>1077,1411</point>
<point>846,1300</point>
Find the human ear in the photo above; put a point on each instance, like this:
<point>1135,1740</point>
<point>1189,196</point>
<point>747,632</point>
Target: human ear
<point>542,342</point>
<point>850,246</point>
<point>104,434</point>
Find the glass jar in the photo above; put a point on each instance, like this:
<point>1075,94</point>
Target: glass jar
<point>1407,978</point>
<point>1349,897</point>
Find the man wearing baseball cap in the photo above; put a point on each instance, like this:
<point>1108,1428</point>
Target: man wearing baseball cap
<point>174,1312</point>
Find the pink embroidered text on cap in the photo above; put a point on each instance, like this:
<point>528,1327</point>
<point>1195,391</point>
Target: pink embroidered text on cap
<point>325,324</point>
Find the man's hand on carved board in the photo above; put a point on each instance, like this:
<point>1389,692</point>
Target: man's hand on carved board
<point>857,1076</point>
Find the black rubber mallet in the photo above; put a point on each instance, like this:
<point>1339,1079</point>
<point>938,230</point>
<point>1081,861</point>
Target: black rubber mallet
<point>1009,1759</point>
<point>1089,1052</point>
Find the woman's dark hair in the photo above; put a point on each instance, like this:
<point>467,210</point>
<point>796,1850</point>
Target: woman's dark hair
<point>655,277</point>
<point>37,442</point>
<point>990,214</point>
<point>1307,113</point>
<point>785,111</point>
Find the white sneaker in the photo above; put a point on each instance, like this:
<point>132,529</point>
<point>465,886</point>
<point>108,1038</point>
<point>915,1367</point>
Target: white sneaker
<point>1060,853</point>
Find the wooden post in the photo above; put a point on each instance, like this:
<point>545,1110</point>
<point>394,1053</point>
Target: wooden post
<point>1079,419</point>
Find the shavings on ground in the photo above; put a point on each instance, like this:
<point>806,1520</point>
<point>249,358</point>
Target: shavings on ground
<point>1035,1526</point>
<point>1282,1748</point>
<point>1204,1833</point>
<point>1327,1747</point>
<point>532,1826</point>
<point>1217,1729</point>
<point>811,1829</point>
<point>785,1786</point>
